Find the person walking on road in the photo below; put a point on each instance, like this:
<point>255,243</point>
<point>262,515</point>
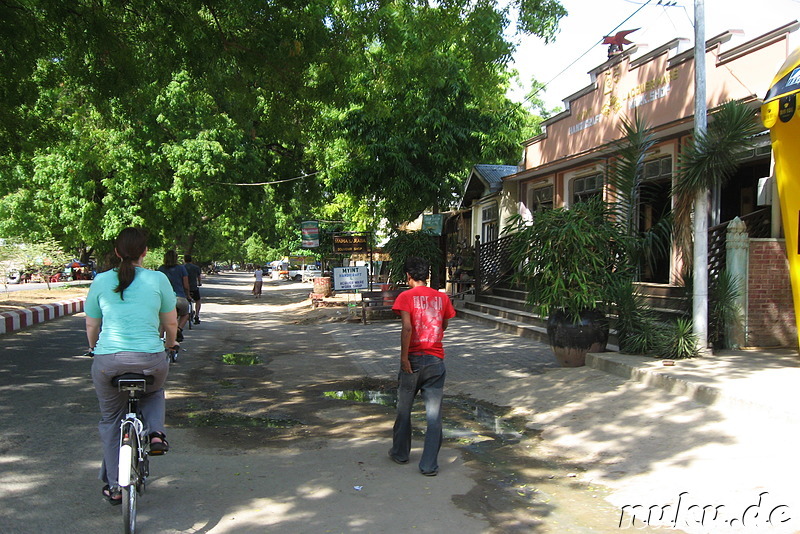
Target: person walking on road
<point>195,281</point>
<point>259,274</point>
<point>425,313</point>
<point>126,308</point>
<point>179,278</point>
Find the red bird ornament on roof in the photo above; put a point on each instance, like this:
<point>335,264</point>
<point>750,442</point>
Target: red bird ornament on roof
<point>617,41</point>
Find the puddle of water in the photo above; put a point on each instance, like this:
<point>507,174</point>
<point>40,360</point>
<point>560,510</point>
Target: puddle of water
<point>241,358</point>
<point>487,418</point>
<point>384,398</point>
<point>468,421</point>
<point>217,419</point>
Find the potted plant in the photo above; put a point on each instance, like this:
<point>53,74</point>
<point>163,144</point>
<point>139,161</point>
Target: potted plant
<point>569,261</point>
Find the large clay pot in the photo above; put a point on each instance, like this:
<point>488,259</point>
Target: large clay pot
<point>322,286</point>
<point>571,341</point>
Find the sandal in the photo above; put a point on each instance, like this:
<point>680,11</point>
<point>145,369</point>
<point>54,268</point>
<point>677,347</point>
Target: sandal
<point>112,495</point>
<point>158,448</point>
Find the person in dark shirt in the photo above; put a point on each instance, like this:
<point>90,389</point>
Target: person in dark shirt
<point>195,281</point>
<point>179,279</point>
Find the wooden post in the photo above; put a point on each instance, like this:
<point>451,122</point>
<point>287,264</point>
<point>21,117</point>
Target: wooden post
<point>477,265</point>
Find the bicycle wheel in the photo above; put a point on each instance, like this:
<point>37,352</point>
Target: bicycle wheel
<point>130,492</point>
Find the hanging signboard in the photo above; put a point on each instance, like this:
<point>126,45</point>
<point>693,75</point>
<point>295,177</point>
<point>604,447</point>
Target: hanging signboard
<point>310,234</point>
<point>350,278</point>
<point>432,223</point>
<point>348,244</point>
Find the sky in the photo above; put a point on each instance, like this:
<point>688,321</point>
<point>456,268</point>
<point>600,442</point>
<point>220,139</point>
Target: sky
<point>589,21</point>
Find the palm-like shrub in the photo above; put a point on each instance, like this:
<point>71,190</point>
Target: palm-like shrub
<point>569,259</point>
<point>708,161</point>
<point>421,244</point>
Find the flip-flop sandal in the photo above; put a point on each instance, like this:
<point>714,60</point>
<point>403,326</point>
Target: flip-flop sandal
<point>113,496</point>
<point>160,447</point>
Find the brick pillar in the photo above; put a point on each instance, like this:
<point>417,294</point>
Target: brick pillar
<point>770,308</point>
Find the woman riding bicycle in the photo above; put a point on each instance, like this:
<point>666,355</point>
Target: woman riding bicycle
<point>179,278</point>
<point>125,309</point>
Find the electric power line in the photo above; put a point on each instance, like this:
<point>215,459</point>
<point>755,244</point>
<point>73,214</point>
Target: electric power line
<point>273,182</point>
<point>544,86</point>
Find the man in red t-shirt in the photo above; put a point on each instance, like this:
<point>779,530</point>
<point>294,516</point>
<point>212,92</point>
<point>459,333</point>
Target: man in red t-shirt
<point>425,313</point>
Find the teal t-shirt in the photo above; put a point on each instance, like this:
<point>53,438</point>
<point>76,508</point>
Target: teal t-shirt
<point>130,325</point>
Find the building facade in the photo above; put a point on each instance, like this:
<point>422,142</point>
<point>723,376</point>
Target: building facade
<point>570,160</point>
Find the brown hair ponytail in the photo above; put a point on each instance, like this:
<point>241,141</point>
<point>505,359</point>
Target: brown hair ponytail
<point>129,247</point>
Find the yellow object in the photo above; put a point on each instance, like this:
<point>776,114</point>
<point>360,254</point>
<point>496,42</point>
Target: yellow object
<point>779,113</point>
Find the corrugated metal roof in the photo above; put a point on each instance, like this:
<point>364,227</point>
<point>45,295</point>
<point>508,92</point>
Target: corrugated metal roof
<point>493,174</point>
<point>484,180</point>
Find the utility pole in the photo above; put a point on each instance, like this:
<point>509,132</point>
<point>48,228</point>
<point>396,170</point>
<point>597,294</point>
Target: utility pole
<point>700,291</point>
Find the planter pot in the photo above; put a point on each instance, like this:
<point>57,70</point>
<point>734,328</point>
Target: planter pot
<point>572,341</point>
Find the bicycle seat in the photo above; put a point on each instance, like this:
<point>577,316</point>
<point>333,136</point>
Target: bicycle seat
<point>148,379</point>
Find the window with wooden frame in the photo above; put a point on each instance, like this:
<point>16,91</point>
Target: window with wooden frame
<point>490,214</point>
<point>540,199</point>
<point>659,168</point>
<point>586,187</point>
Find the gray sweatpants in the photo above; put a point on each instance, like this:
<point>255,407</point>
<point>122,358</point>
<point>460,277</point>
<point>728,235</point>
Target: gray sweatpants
<point>114,403</point>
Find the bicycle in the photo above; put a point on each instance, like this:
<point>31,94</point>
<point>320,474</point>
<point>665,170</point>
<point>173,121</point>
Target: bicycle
<point>134,465</point>
<point>172,353</point>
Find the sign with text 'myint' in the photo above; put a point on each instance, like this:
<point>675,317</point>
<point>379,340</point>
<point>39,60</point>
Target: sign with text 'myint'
<point>348,244</point>
<point>350,278</point>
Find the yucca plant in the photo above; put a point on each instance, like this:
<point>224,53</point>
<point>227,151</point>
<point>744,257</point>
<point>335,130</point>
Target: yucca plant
<point>723,310</point>
<point>677,340</point>
<point>637,325</point>
<point>708,161</point>
<point>628,191</point>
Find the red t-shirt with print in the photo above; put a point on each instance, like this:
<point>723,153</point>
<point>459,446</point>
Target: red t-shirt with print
<point>428,308</point>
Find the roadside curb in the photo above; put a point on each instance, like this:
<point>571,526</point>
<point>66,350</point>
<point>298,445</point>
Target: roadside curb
<point>18,319</point>
<point>709,380</point>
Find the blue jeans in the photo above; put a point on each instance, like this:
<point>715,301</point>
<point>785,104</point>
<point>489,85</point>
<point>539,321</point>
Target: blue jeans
<point>428,376</point>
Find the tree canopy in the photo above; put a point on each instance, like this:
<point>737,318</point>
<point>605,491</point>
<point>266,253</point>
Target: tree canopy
<point>221,125</point>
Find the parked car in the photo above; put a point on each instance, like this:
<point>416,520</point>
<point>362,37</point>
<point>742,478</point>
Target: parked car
<point>309,272</point>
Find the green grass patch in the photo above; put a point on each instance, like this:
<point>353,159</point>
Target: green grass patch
<point>241,358</point>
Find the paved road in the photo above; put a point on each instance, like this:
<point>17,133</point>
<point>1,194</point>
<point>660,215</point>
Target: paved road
<point>10,288</point>
<point>330,474</point>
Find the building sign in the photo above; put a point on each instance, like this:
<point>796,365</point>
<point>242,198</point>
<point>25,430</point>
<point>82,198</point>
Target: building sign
<point>432,223</point>
<point>616,97</point>
<point>651,90</point>
<point>350,278</point>
<point>650,96</point>
<point>347,244</point>
<point>591,121</point>
<point>310,234</point>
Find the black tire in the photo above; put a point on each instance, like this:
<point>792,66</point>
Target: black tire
<point>130,493</point>
<point>297,278</point>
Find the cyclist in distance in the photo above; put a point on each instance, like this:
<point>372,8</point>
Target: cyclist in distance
<point>126,308</point>
<point>195,281</point>
<point>179,278</point>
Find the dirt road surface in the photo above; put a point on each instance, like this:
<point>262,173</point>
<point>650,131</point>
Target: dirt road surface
<point>264,447</point>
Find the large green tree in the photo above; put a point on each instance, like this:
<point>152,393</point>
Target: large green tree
<point>209,121</point>
<point>426,101</point>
